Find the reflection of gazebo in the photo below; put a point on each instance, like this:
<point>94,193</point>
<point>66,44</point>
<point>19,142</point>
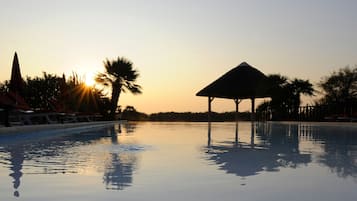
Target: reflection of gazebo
<point>242,82</point>
<point>245,161</point>
<point>279,147</point>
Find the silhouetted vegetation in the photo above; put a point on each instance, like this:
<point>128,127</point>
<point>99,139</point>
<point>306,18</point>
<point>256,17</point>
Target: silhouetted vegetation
<point>339,101</point>
<point>340,87</point>
<point>53,93</point>
<point>4,86</point>
<point>81,98</point>
<point>121,77</point>
<point>198,116</point>
<point>285,96</point>
<point>130,113</point>
<point>41,92</point>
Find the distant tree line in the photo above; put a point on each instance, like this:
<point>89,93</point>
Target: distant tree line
<point>130,113</point>
<point>199,116</point>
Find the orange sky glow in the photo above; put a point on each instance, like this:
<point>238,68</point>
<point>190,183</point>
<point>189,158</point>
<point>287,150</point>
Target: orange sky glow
<point>179,47</point>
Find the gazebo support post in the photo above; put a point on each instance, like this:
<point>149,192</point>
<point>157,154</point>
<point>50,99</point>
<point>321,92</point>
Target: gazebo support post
<point>210,99</point>
<point>236,136</point>
<point>209,135</point>
<point>252,115</point>
<point>237,101</point>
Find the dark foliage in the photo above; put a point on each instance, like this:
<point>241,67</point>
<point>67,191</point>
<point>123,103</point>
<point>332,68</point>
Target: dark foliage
<point>340,87</point>
<point>121,77</point>
<point>285,97</point>
<point>130,113</point>
<point>41,92</point>
<point>198,117</point>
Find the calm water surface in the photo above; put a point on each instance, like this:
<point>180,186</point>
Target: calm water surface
<point>185,161</point>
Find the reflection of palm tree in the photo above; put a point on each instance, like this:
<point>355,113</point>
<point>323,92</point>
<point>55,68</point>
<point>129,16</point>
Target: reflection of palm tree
<point>60,155</point>
<point>119,168</point>
<point>50,153</point>
<point>118,173</point>
<point>120,76</point>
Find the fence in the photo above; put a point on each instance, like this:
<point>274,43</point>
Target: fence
<point>331,112</point>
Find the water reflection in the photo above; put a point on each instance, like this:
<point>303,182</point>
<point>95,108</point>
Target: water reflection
<point>119,171</point>
<point>275,149</point>
<point>72,154</point>
<point>276,145</point>
<point>339,147</point>
<point>121,164</point>
<point>16,160</point>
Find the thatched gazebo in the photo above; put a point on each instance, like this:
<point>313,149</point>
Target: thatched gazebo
<point>242,82</point>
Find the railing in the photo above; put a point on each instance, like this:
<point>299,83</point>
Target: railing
<point>331,112</point>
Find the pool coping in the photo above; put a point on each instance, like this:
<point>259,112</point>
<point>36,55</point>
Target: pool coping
<point>51,129</point>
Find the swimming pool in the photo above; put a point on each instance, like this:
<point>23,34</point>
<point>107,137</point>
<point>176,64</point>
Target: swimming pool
<point>185,161</point>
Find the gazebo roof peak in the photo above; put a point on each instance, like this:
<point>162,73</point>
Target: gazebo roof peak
<point>244,64</point>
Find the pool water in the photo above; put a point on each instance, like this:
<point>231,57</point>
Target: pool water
<point>185,161</point>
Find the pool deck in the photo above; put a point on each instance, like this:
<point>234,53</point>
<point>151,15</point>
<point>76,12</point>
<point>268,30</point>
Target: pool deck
<point>55,128</point>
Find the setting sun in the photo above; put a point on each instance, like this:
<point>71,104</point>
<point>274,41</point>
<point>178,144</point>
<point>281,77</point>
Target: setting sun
<point>89,79</point>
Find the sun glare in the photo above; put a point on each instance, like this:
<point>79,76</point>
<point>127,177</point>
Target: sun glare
<point>89,79</point>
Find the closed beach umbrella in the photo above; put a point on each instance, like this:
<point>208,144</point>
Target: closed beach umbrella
<point>13,99</point>
<point>17,86</point>
<point>16,82</point>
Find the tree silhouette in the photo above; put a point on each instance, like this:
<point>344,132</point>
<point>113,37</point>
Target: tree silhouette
<point>121,77</point>
<point>40,91</point>
<point>298,87</point>
<point>340,87</point>
<point>4,86</point>
<point>285,95</point>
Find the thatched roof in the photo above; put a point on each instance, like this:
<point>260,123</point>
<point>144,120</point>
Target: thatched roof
<point>241,82</point>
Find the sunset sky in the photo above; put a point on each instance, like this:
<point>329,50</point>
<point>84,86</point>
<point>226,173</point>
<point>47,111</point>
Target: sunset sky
<point>179,46</point>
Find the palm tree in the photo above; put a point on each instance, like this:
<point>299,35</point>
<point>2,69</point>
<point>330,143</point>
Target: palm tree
<point>298,87</point>
<point>121,77</point>
<point>285,94</point>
